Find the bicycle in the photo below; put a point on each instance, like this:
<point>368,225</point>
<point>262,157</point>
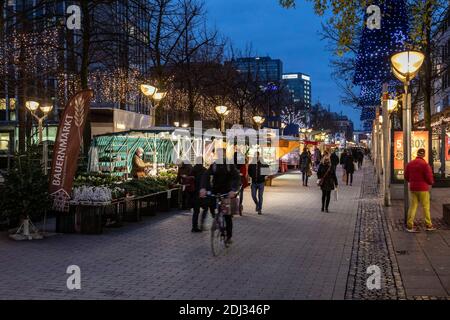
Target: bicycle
<point>218,227</point>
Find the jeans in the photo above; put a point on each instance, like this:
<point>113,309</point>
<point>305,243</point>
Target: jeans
<point>326,197</point>
<point>305,177</point>
<point>257,194</point>
<point>422,197</point>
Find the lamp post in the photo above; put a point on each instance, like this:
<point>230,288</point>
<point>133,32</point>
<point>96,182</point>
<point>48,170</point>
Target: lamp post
<point>389,105</point>
<point>259,120</point>
<point>33,107</point>
<point>283,126</point>
<point>222,111</point>
<point>405,66</point>
<point>155,95</point>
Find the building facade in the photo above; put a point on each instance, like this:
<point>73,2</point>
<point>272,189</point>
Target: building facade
<point>264,70</point>
<point>42,60</point>
<point>299,86</point>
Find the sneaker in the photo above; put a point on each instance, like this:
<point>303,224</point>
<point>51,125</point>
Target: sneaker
<point>196,230</point>
<point>431,228</point>
<point>228,242</point>
<point>323,209</point>
<point>259,212</point>
<point>326,210</point>
<point>412,230</point>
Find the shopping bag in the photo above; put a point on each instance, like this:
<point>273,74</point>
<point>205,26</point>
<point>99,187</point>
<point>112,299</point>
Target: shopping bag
<point>335,195</point>
<point>344,177</point>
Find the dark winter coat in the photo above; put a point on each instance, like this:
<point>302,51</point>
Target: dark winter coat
<point>197,172</point>
<point>349,164</point>
<point>334,159</point>
<point>221,178</point>
<point>330,180</point>
<point>254,171</point>
<point>305,161</point>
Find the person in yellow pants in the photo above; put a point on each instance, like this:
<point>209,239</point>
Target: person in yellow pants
<point>422,197</point>
<point>420,177</point>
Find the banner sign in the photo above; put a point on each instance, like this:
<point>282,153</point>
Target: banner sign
<point>67,149</point>
<point>419,139</point>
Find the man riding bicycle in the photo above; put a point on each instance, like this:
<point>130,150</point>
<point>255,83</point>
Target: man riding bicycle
<point>221,178</point>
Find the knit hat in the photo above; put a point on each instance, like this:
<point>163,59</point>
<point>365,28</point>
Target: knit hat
<point>421,152</point>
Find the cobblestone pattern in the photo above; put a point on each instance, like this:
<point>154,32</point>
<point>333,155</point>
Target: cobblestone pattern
<point>292,251</point>
<point>398,224</point>
<point>372,246</point>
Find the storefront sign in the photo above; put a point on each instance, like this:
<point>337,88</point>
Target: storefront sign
<point>419,139</point>
<point>67,148</point>
<point>447,148</point>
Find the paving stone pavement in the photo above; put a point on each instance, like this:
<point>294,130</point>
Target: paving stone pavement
<point>373,248</point>
<point>292,251</point>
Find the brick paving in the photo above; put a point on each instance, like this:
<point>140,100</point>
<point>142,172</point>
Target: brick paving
<point>423,258</point>
<point>292,251</point>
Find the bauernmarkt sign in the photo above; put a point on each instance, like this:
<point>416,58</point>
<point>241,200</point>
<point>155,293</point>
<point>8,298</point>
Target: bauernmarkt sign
<point>67,148</point>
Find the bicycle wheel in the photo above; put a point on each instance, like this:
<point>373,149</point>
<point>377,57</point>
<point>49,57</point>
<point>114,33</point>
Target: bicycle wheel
<point>217,239</point>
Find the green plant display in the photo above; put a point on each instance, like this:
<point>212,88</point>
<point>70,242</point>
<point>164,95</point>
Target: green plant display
<point>26,188</point>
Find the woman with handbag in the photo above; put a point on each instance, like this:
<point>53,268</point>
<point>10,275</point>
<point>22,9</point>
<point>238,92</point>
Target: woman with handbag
<point>327,181</point>
<point>305,166</point>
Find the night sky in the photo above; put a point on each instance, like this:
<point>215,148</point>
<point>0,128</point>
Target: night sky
<point>289,35</point>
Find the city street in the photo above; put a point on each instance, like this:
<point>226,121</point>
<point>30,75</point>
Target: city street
<point>292,251</point>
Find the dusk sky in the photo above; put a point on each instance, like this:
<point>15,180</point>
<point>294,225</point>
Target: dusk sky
<point>289,35</point>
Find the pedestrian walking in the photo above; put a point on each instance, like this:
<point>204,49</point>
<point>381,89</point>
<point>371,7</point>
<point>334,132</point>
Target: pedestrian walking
<point>420,177</point>
<point>317,158</point>
<point>198,203</point>
<point>327,181</point>
<point>349,166</point>
<point>305,166</point>
<point>256,171</point>
<point>334,159</point>
<point>243,171</point>
<point>360,159</point>
<point>184,177</point>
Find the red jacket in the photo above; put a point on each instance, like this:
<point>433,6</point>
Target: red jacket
<point>419,175</point>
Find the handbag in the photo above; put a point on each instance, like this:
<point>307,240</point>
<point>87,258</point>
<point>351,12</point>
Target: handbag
<point>320,181</point>
<point>335,195</point>
<point>344,177</point>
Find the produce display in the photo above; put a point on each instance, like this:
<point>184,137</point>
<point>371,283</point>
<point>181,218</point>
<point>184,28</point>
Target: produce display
<point>103,187</point>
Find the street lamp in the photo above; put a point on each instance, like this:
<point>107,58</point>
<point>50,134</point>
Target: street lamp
<point>283,126</point>
<point>33,107</point>
<point>222,111</point>
<point>148,90</point>
<point>405,66</point>
<point>158,96</point>
<point>154,94</point>
<point>258,120</point>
